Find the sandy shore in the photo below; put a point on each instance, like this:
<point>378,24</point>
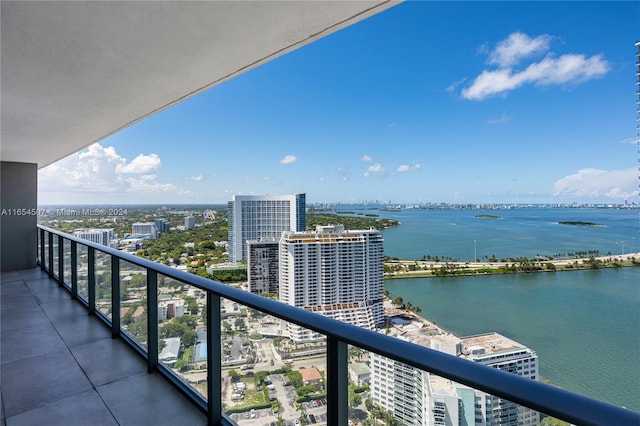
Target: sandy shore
<point>425,268</point>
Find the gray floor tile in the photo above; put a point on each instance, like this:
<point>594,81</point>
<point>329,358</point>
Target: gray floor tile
<point>41,380</point>
<point>57,311</point>
<point>107,360</point>
<point>145,399</point>
<point>27,342</point>
<point>18,302</point>
<point>21,315</point>
<point>52,351</point>
<point>83,329</point>
<point>44,290</point>
<point>77,410</point>
<point>10,275</point>
<point>13,287</point>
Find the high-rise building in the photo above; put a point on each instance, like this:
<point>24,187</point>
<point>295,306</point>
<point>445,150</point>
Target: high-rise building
<point>162,225</point>
<point>189,222</point>
<point>418,398</point>
<point>99,236</point>
<point>256,217</point>
<point>145,229</point>
<point>497,351</point>
<point>262,266</point>
<point>334,272</point>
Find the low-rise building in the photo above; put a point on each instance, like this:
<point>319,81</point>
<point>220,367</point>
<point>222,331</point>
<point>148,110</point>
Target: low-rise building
<point>359,373</point>
<point>170,351</point>
<point>312,377</point>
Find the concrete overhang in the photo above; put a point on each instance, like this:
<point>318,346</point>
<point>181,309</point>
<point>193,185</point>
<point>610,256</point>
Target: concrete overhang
<point>74,73</point>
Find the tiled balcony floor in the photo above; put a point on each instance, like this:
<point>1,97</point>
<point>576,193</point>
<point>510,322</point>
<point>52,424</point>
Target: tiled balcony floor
<point>60,366</point>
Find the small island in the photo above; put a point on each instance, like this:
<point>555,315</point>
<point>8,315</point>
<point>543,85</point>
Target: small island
<point>488,216</point>
<point>578,223</point>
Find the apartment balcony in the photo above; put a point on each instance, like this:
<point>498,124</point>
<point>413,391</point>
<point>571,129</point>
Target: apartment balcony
<point>68,358</point>
<point>61,366</point>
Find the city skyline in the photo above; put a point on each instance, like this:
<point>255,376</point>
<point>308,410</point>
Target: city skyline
<point>426,102</point>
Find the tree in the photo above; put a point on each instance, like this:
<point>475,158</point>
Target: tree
<point>295,378</point>
<point>187,320</point>
<point>552,421</point>
<point>397,301</point>
<point>240,325</point>
<point>233,375</point>
<point>354,399</point>
<point>369,404</point>
<point>355,352</point>
<point>227,327</point>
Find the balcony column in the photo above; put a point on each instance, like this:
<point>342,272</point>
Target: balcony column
<point>18,206</point>
<point>337,381</point>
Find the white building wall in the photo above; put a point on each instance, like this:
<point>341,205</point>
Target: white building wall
<point>140,228</point>
<point>98,236</point>
<point>255,217</point>
<point>335,273</point>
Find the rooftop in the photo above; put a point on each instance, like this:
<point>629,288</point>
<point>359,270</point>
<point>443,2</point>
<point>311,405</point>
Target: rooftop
<point>491,343</point>
<point>310,374</point>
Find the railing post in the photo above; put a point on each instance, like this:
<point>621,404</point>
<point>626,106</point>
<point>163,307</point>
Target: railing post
<point>91,278</point>
<point>152,320</point>
<point>50,254</point>
<point>214,360</point>
<point>60,260</point>
<point>115,296</point>
<point>42,265</point>
<point>337,382</point>
<point>74,270</point>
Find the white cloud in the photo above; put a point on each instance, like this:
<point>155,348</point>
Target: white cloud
<point>197,178</point>
<point>518,46</point>
<point>288,159</point>
<point>141,165</point>
<point>366,158</point>
<point>100,169</point>
<point>569,68</point>
<point>149,183</point>
<point>374,168</point>
<point>633,141</point>
<point>408,168</point>
<point>504,118</point>
<point>594,183</point>
<point>93,170</point>
<point>454,86</point>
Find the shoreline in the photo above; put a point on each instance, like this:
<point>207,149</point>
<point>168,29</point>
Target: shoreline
<point>428,269</point>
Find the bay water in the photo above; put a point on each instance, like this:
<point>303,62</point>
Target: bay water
<point>584,324</point>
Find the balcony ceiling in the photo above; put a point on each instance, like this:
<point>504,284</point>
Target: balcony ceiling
<point>74,73</point>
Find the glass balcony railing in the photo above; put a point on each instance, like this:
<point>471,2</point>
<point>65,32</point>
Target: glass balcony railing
<point>229,351</point>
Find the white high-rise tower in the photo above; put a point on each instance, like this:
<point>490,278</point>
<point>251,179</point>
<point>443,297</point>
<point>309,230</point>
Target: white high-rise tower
<point>335,273</point>
<point>262,217</point>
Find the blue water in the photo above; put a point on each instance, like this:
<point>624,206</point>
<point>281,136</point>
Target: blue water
<point>518,233</point>
<point>584,325</point>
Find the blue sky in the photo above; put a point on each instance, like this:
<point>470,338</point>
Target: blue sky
<point>506,102</point>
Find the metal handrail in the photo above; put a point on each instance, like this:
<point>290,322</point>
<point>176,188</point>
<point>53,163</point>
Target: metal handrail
<point>547,399</point>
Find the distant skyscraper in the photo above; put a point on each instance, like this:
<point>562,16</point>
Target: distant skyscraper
<point>256,217</point>
<point>146,228</point>
<point>335,273</point>
<point>418,398</point>
<point>262,266</point>
<point>162,225</point>
<point>99,236</point>
<point>189,222</point>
